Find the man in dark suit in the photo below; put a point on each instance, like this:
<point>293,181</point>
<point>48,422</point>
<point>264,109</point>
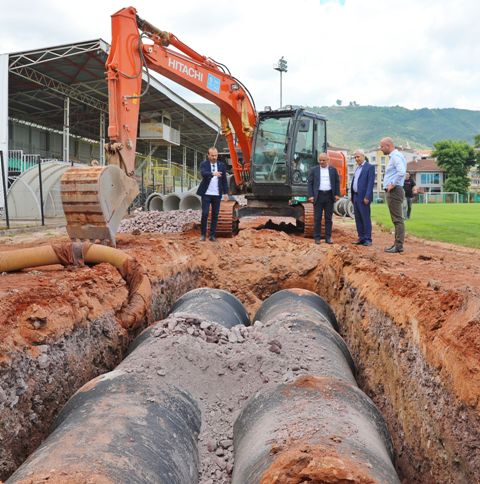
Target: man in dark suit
<point>213,185</point>
<point>361,192</point>
<point>323,190</point>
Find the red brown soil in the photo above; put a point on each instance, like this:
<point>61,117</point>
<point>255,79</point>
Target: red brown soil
<point>316,465</point>
<point>431,293</point>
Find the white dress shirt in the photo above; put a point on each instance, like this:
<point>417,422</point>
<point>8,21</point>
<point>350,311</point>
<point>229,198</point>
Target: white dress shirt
<point>213,186</point>
<point>324,179</point>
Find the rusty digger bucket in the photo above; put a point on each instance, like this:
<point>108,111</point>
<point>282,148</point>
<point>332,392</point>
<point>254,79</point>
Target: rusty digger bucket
<point>95,199</point>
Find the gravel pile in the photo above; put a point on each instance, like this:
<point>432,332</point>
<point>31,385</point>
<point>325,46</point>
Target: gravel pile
<point>221,368</point>
<point>163,222</point>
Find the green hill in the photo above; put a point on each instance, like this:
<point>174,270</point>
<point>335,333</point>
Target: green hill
<point>364,126</point>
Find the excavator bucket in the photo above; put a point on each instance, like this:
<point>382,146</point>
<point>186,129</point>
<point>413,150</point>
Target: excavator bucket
<point>95,199</point>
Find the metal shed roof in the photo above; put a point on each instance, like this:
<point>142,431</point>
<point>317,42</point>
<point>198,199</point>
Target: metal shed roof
<point>39,80</point>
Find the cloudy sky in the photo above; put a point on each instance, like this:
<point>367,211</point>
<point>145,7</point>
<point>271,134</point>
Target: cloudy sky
<point>412,53</point>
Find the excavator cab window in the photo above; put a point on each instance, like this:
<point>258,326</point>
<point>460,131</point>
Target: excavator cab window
<point>303,153</point>
<point>270,154</point>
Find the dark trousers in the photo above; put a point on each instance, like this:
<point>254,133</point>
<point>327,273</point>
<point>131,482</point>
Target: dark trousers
<point>363,219</point>
<point>395,206</point>
<point>214,201</point>
<point>323,203</point>
<point>407,210</point>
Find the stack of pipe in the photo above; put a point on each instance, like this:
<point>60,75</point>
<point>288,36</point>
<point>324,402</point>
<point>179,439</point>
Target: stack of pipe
<point>129,425</point>
<point>344,208</point>
<point>174,201</point>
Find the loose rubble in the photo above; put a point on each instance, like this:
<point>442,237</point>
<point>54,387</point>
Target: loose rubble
<point>162,222</point>
<point>222,368</point>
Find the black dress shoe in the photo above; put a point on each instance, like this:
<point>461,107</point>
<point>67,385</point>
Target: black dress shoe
<point>367,243</point>
<point>394,250</point>
<point>317,241</point>
<point>203,238</point>
<point>212,238</point>
<point>358,242</point>
<point>329,240</point>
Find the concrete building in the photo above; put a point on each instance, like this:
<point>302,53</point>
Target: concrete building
<point>428,176</point>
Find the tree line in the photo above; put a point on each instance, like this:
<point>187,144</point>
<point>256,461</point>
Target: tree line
<point>456,158</point>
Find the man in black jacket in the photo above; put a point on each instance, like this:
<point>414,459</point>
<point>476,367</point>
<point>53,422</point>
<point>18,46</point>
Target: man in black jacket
<point>323,190</point>
<point>213,185</point>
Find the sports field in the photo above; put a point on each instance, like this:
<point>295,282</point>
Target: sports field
<point>451,222</point>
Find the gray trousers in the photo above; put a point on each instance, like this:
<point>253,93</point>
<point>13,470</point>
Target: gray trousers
<point>395,206</point>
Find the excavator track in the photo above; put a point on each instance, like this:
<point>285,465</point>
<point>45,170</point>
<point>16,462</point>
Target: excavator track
<point>228,221</point>
<point>308,220</point>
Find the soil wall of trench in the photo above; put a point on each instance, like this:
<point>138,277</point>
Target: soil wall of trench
<point>400,330</point>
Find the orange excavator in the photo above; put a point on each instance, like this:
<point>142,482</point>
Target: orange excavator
<point>278,147</point>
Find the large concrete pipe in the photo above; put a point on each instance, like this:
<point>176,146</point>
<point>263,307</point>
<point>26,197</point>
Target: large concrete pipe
<point>310,305</point>
<point>319,428</point>
<point>126,426</point>
<point>154,202</point>
<point>69,254</point>
<point>213,305</point>
<point>204,303</point>
<point>315,429</point>
<point>171,202</point>
<point>190,201</point>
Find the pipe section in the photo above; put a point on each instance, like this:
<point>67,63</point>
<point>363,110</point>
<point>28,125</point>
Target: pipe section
<point>190,201</point>
<point>154,202</point>
<point>315,429</point>
<point>122,427</point>
<point>213,305</point>
<point>320,427</point>
<point>171,202</point>
<point>297,301</point>
<point>137,306</point>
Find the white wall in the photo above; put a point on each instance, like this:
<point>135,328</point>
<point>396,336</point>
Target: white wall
<point>3,116</point>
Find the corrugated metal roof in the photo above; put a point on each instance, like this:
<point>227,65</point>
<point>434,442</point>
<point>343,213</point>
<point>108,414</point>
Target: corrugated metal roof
<point>40,79</point>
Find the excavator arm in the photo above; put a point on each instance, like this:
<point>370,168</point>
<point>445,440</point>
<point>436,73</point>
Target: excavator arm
<point>131,50</point>
<point>95,199</point>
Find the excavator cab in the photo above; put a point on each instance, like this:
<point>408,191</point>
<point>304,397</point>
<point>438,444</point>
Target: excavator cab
<point>286,147</point>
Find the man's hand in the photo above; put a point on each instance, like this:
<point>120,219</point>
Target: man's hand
<point>337,198</point>
<point>366,201</point>
<point>225,198</point>
<point>310,199</point>
<point>390,187</point>
<point>217,173</point>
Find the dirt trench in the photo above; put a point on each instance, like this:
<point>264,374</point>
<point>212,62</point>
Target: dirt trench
<point>411,322</point>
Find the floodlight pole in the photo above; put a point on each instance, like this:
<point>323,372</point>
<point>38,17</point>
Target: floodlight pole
<point>281,67</point>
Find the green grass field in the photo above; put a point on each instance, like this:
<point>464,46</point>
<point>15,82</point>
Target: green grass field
<point>454,223</point>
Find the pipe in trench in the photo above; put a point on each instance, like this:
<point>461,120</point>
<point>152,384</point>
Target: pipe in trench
<point>129,426</point>
<point>314,429</point>
<point>309,304</point>
<point>212,304</point>
<point>204,303</point>
<point>319,428</point>
<point>122,427</point>
<point>133,311</point>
